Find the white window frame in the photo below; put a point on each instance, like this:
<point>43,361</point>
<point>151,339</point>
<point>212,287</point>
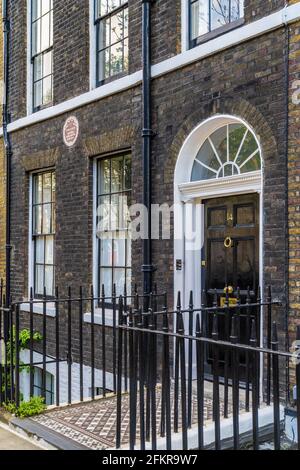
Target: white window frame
<point>185,33</point>
<point>38,306</point>
<point>92,44</point>
<point>29,63</point>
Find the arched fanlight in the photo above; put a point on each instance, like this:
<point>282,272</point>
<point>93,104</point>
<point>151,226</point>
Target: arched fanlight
<point>230,150</point>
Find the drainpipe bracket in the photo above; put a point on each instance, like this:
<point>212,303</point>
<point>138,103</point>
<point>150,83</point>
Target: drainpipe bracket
<point>148,268</point>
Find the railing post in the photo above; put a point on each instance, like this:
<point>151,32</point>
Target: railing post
<point>69,358</point>
<point>92,339</point>
<point>183,384</point>
<point>31,371</point>
<point>119,377</point>
<point>166,411</point>
<point>269,339</point>
<point>57,339</point>
<point>200,384</point>
<point>176,378</point>
<point>255,387</point>
<point>103,341</point>
<point>298,386</point>
<point>17,352</point>
<point>216,383</point>
<point>190,359</point>
<point>276,398</point>
<point>235,385</point>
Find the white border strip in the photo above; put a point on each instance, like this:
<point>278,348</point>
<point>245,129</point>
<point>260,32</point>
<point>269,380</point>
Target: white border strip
<point>244,33</point>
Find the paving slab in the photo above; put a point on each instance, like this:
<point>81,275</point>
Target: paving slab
<point>11,441</point>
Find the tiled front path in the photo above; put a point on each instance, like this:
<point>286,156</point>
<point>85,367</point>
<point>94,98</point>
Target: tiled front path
<point>94,424</point>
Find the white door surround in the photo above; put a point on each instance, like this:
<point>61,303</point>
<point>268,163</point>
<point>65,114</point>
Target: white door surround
<point>187,192</point>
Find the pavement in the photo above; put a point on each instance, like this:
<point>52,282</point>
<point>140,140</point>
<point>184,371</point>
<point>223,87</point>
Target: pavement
<point>11,441</point>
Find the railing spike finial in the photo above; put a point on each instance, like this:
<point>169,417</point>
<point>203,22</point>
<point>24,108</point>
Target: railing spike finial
<point>191,301</point>
<point>274,333</point>
<point>215,301</point>
<point>248,298</point>
<point>253,337</point>
<point>92,291</point>
<point>215,328</point>
<point>259,295</point>
<point>203,298</point>
<point>234,330</point>
<point>298,333</point>
<point>238,295</point>
<point>198,327</point>
<point>103,291</point>
<point>31,293</point>
<point>179,300</point>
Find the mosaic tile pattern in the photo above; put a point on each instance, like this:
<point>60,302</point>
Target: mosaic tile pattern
<point>94,424</point>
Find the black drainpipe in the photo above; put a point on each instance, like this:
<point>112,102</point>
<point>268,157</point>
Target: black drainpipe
<point>147,267</point>
<point>7,144</point>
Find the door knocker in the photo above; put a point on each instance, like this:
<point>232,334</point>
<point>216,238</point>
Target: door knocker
<point>228,242</point>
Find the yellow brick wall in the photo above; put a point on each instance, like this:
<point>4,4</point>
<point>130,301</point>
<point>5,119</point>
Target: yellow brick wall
<point>2,166</point>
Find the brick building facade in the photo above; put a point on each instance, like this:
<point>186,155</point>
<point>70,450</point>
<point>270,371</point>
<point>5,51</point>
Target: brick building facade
<point>243,76</point>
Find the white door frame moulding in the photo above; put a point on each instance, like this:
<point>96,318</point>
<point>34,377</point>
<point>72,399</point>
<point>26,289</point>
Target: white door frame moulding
<point>187,192</point>
<point>249,31</point>
<point>193,193</point>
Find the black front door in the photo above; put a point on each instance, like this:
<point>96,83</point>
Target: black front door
<point>232,243</point>
<point>231,258</point>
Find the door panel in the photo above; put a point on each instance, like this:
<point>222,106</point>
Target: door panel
<point>231,253</point>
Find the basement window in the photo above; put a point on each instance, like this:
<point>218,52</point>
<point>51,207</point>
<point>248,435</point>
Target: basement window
<point>111,20</point>
<point>210,18</point>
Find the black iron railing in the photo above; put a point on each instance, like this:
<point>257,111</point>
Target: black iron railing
<point>190,350</point>
<point>73,337</point>
<point>176,368</point>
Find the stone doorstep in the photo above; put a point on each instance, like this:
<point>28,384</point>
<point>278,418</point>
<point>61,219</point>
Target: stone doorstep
<point>266,432</point>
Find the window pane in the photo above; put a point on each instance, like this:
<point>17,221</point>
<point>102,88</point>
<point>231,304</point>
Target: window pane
<point>104,31</point>
<point>117,32</point>
<point>47,212</point>
<point>219,13</point>
<point>116,174</point>
<point>199,18</point>
<point>47,90</point>
<point>39,250</point>
<point>128,253</point>
<point>37,377</point>
<point>49,280</point>
<point>36,9</point>
<point>104,177</point>
<point>37,94</point>
<point>38,189</point>
<point>128,281</point>
<point>127,170</point>
<point>219,140</point>
<point>39,280</point>
<point>116,59</point>
<point>106,252</point>
<point>115,213</point>
<point>45,32</point>
<point>248,148</point>
<point>37,220</point>
<point>36,37</point>
<point>104,64</point>
<point>37,68</point>
<point>119,280</point>
<point>47,188</point>
<point>236,135</point>
<point>49,252</point>
<point>119,253</point>
<point>47,64</point>
<point>237,9</point>
<point>106,280</point>
<point>103,213</point>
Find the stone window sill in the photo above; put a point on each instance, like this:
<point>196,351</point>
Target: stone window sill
<point>38,308</point>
